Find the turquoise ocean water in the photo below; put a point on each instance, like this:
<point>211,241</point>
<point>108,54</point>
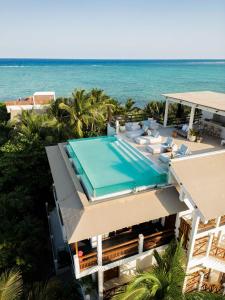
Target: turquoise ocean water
<point>142,80</point>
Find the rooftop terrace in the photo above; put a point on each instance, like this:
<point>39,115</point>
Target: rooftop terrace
<point>208,144</point>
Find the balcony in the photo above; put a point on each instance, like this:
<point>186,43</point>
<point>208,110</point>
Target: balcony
<point>126,244</point>
<point>185,226</point>
<point>194,282</point>
<point>215,251</point>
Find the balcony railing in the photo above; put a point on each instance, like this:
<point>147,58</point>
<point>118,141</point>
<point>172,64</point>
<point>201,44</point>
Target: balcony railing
<point>126,249</point>
<point>185,225</point>
<point>212,287</point>
<point>215,251</point>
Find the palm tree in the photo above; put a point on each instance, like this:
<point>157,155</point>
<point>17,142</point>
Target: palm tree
<point>11,285</point>
<point>164,281</point>
<point>87,111</point>
<point>32,126</point>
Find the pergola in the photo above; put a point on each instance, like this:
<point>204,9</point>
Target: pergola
<point>206,100</point>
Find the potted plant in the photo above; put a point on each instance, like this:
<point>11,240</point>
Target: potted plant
<point>192,135</point>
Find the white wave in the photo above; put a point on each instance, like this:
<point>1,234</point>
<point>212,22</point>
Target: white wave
<point>14,66</point>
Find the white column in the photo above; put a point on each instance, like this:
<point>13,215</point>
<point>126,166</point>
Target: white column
<point>100,272</point>
<point>100,284</point>
<point>140,243</point>
<point>192,117</point>
<point>117,126</point>
<point>99,250</point>
<point>76,265</point>
<point>194,230</point>
<point>166,113</point>
<point>177,224</point>
<point>209,244</point>
<point>201,281</point>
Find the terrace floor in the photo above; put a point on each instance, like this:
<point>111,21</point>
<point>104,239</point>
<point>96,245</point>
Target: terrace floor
<point>208,144</point>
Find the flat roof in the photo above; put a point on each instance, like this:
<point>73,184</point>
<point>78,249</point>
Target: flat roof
<point>44,93</point>
<point>83,219</point>
<point>205,99</point>
<point>203,177</point>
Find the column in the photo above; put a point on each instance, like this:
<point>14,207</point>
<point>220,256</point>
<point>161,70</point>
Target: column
<point>192,114</point>
<point>177,225</point>
<point>166,113</point>
<point>201,281</point>
<point>209,245</point>
<point>100,284</point>
<point>99,250</point>
<point>140,243</point>
<point>117,126</point>
<point>100,272</point>
<point>194,230</point>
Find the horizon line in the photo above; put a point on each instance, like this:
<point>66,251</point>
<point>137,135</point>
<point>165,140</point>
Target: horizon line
<point>63,58</point>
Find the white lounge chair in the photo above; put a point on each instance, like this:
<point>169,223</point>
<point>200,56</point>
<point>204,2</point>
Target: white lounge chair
<point>160,148</point>
<point>132,126</point>
<point>182,151</point>
<point>154,138</point>
<point>134,133</point>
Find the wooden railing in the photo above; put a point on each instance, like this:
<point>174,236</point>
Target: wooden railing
<point>137,117</point>
<point>211,224</point>
<point>217,251</point>
<point>193,280</point>
<point>184,230</point>
<point>222,220</point>
<point>200,246</point>
<point>108,294</point>
<point>126,249</point>
<point>211,287</point>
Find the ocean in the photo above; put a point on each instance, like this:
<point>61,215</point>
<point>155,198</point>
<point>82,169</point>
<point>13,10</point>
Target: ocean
<point>142,80</point>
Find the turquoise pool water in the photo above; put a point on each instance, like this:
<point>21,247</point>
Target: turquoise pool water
<point>107,165</point>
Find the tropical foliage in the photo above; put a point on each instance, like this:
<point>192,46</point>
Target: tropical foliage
<point>10,285</point>
<point>165,280</point>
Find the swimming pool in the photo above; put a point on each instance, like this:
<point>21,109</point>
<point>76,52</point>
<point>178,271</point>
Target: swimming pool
<point>108,166</point>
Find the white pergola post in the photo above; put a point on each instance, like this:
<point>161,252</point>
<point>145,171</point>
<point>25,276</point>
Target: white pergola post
<point>166,113</point>
<point>100,272</point>
<point>192,115</point>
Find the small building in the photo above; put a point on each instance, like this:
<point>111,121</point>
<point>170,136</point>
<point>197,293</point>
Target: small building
<point>38,102</point>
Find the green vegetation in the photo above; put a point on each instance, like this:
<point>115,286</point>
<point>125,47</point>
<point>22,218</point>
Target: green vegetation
<point>25,179</point>
<point>165,280</point>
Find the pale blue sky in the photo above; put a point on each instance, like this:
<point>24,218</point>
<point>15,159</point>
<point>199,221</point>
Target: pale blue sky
<point>112,28</point>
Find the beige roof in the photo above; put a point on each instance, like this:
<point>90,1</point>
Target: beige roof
<point>204,180</point>
<point>40,99</point>
<point>83,219</point>
<point>208,99</point>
